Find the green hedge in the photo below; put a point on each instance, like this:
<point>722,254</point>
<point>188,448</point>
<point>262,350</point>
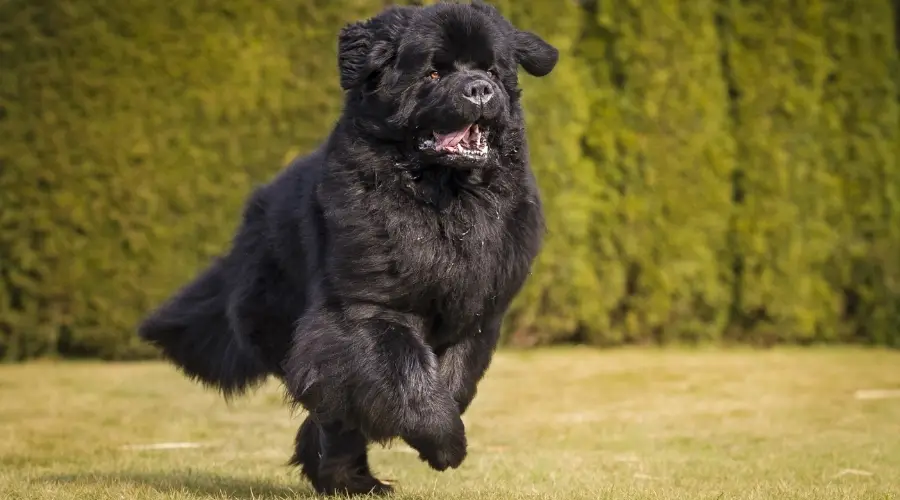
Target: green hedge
<point>661,155</point>
<point>713,170</point>
<point>863,153</point>
<point>784,239</point>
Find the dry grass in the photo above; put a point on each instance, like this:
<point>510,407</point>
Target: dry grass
<point>560,424</point>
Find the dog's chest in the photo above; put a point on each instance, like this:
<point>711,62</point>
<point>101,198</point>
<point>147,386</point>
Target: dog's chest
<point>451,261</point>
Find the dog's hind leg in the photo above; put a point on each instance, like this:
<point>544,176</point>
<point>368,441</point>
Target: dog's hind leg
<point>335,459</point>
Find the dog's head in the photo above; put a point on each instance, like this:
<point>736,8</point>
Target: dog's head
<point>441,81</point>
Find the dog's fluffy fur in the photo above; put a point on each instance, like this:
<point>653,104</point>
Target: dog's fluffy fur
<point>372,275</point>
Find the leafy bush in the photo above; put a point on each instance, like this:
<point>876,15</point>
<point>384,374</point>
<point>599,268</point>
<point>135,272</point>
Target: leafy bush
<point>716,169</point>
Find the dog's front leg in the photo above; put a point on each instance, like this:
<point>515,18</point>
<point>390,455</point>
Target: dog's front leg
<point>462,365</point>
<point>376,373</point>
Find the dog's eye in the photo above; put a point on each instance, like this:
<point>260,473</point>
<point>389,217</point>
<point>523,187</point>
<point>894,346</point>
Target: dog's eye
<point>492,73</point>
<point>434,75</point>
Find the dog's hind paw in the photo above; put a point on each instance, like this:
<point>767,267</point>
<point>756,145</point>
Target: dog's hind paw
<point>356,485</point>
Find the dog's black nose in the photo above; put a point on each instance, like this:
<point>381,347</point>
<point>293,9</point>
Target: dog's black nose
<point>478,91</point>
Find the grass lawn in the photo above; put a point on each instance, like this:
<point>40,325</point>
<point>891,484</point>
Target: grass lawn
<point>558,424</point>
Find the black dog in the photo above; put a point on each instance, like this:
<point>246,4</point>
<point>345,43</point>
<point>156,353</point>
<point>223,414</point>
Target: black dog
<point>372,275</point>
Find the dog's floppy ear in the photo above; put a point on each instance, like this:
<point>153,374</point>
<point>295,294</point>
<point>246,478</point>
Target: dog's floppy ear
<point>359,54</point>
<point>534,54</point>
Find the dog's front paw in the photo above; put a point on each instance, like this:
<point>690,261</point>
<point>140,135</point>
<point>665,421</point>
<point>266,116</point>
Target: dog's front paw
<point>444,451</point>
<point>450,455</point>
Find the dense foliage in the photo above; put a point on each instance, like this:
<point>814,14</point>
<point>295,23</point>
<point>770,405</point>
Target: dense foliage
<point>713,170</point>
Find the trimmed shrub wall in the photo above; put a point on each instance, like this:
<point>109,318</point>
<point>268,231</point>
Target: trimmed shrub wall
<point>715,170</point>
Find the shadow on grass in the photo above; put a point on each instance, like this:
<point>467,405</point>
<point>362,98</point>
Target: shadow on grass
<point>202,485</point>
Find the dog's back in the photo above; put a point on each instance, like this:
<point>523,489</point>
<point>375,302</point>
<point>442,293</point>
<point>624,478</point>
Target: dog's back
<point>229,327</point>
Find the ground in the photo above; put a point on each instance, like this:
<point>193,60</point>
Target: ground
<point>550,424</point>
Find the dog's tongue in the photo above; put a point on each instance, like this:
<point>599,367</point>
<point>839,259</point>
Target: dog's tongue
<point>450,140</point>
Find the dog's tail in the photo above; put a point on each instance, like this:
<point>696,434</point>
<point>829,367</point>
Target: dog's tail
<point>193,332</point>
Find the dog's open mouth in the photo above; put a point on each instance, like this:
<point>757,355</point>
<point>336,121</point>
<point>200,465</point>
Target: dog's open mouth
<point>469,141</point>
